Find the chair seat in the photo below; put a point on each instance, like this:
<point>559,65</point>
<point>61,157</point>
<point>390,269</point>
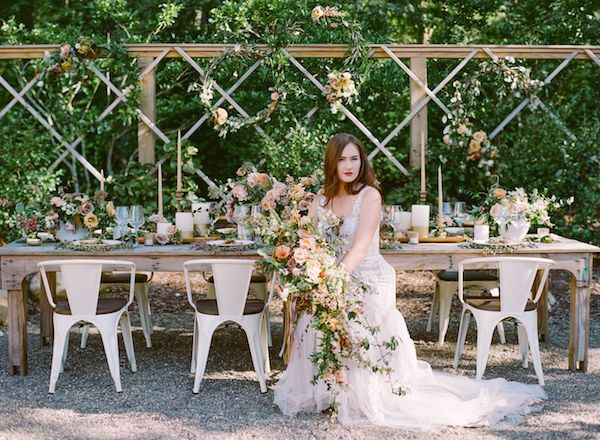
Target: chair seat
<point>122,278</point>
<point>209,306</point>
<point>253,279</point>
<point>492,304</point>
<point>105,306</point>
<point>468,275</point>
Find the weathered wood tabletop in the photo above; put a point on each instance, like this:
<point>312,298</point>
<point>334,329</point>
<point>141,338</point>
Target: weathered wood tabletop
<point>18,260</point>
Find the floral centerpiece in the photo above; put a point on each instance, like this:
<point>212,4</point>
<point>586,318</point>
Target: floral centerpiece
<point>515,211</point>
<point>73,216</point>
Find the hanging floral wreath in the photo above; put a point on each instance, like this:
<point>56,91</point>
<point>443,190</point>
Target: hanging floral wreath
<point>223,122</point>
<point>460,129</point>
<point>341,88</point>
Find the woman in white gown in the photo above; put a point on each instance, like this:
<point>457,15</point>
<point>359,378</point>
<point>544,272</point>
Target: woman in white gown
<point>432,400</point>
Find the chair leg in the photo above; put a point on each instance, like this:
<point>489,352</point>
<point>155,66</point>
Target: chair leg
<point>530,322</point>
<point>435,305</point>
<point>85,333</point>
<point>65,351</point>
<point>253,337</point>
<point>128,340</point>
<point>523,344</point>
<point>485,332</point>
<point>264,343</point>
<point>60,334</point>
<point>108,332</point>
<point>501,334</point>
<point>268,327</point>
<point>203,341</point>
<point>462,334</point>
<point>446,292</point>
<point>141,296</point>
<point>194,346</point>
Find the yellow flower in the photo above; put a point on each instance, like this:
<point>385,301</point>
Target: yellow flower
<point>66,66</point>
<point>221,116</point>
<point>479,136</point>
<point>474,146</point>
<point>90,221</point>
<point>110,209</point>
<point>316,13</point>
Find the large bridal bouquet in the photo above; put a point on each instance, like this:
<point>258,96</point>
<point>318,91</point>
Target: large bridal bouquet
<point>302,256</point>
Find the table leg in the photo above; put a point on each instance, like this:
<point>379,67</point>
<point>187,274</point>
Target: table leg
<point>17,333</point>
<point>542,309</point>
<point>46,323</point>
<point>579,322</point>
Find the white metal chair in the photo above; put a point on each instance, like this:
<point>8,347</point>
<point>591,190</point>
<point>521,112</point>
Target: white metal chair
<point>81,279</point>
<point>516,277</point>
<point>116,279</point>
<point>258,289</point>
<point>232,280</point>
<point>445,288</point>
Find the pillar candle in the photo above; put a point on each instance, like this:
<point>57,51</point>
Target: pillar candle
<point>420,215</point>
<point>179,186</point>
<point>402,220</point>
<point>184,222</point>
<point>201,213</point>
<point>163,228</point>
<point>422,162</point>
<point>160,199</point>
<point>440,221</point>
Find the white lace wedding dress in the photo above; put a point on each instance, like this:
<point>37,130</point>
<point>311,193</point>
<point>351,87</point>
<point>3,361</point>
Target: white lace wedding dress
<point>433,400</point>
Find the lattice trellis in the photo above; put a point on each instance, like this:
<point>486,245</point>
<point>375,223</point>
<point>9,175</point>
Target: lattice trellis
<point>464,53</point>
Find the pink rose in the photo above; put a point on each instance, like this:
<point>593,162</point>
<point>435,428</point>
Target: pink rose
<point>161,238</point>
<point>278,189</point>
<point>240,193</point>
<point>57,201</point>
<point>300,255</point>
<point>303,205</point>
<point>171,229</point>
<point>296,272</point>
<point>86,208</point>
<point>267,203</point>
<point>252,179</point>
<point>307,243</point>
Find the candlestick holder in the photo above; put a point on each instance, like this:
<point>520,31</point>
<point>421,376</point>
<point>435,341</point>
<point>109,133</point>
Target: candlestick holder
<point>178,199</point>
<point>422,197</point>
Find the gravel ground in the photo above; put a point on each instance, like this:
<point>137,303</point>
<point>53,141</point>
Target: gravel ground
<point>157,401</point>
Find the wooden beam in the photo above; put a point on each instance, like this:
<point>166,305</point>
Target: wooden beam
<point>418,124</point>
<point>146,137</point>
<point>333,50</point>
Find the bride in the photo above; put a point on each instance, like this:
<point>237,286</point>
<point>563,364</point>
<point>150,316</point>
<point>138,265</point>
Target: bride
<point>432,400</point>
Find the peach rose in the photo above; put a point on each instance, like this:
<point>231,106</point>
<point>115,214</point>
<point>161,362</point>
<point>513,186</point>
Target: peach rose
<point>240,193</point>
<point>282,252</point>
<point>221,116</point>
<point>262,179</point>
<point>479,136</point>
<point>90,221</point>
<point>316,13</point>
<point>499,193</point>
<point>474,146</point>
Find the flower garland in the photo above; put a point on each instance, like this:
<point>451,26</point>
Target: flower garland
<point>223,122</point>
<point>459,130</point>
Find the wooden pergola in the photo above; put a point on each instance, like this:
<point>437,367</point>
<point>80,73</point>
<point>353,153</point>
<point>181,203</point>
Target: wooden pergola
<point>149,56</point>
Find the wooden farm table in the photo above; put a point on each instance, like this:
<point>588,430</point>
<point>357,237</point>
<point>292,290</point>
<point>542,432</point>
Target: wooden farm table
<point>17,260</point>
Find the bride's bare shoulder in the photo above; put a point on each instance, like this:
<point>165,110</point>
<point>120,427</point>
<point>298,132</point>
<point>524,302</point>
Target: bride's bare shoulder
<point>372,195</point>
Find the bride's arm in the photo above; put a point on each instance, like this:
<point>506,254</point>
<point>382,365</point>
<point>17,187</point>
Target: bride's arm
<point>368,222</point>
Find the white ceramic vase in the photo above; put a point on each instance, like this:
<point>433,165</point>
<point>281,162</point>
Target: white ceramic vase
<point>68,234</point>
<point>514,230</point>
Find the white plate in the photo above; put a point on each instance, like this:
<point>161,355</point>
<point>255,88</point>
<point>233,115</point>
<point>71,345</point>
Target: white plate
<point>234,243</point>
<point>111,242</point>
<point>226,231</point>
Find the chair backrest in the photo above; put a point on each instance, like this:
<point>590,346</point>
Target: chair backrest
<point>81,280</point>
<point>516,276</point>
<point>232,280</point>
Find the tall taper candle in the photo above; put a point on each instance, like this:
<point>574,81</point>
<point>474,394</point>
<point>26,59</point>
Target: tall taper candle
<point>422,162</point>
<point>440,222</point>
<point>160,200</point>
<point>179,160</point>
<point>102,180</point>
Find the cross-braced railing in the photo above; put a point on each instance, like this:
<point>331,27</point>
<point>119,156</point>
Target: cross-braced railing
<point>421,93</point>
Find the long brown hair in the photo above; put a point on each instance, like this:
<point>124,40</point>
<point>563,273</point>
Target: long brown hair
<point>335,147</point>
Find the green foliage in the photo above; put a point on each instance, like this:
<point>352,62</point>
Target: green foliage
<point>534,151</point>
